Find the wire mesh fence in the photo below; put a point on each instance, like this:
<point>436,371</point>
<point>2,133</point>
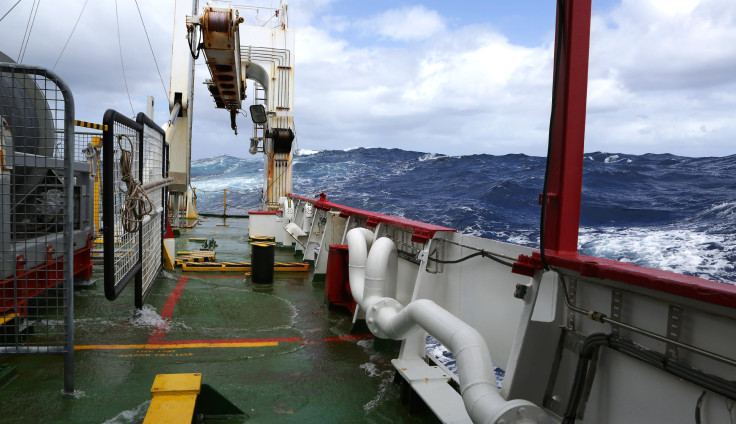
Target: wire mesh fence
<point>153,172</point>
<point>39,219</point>
<point>135,177</point>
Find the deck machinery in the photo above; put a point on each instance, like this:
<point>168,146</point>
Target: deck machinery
<point>266,58</point>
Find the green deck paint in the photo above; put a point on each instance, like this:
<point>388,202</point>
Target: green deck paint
<point>315,377</point>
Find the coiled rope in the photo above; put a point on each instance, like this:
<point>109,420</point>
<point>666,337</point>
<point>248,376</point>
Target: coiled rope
<point>137,203</point>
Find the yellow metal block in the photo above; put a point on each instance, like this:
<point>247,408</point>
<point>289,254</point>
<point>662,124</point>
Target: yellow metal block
<point>173,398</point>
<point>168,262</point>
<point>176,383</point>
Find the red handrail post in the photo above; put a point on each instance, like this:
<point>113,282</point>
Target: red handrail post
<point>568,139</point>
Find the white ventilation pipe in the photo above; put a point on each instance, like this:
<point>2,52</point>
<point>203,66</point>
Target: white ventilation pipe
<point>373,272</point>
<point>359,241</point>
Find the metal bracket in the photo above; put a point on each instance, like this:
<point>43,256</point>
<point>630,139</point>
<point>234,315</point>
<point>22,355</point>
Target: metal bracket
<point>573,342</point>
<point>616,309</point>
<point>674,326</point>
<point>572,286</point>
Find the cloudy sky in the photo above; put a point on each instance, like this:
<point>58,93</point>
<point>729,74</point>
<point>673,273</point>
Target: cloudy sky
<point>457,77</point>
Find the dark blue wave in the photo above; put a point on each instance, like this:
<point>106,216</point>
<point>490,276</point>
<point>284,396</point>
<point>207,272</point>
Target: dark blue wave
<point>659,210</point>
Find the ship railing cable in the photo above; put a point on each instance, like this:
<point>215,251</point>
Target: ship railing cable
<point>10,10</point>
<point>478,252</point>
<point>70,35</point>
<point>166,92</point>
<point>137,203</point>
<point>122,65</point>
<point>29,29</point>
<point>553,113</point>
<point>226,203</point>
<point>603,318</point>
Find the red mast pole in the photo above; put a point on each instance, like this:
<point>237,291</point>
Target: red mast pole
<point>565,179</point>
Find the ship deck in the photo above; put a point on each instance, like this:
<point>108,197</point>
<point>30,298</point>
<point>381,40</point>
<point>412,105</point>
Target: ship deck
<point>275,352</point>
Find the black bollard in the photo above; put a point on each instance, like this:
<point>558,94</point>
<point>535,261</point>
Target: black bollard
<point>262,259</point>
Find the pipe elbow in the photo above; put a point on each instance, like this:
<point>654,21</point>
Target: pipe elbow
<point>359,242</point>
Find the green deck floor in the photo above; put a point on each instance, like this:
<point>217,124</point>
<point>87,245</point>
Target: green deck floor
<point>276,352</point>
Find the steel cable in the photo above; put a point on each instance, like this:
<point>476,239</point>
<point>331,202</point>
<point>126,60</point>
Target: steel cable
<point>10,10</point>
<point>166,93</point>
<point>122,65</point>
<point>70,35</point>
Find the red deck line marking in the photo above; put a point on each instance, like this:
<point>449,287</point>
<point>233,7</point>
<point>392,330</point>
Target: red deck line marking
<point>220,341</point>
<point>349,337</point>
<point>168,310</point>
<point>218,276</point>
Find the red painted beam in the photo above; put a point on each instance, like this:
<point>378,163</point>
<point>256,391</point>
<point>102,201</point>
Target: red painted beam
<point>422,232</point>
<point>663,281</point>
<point>566,156</point>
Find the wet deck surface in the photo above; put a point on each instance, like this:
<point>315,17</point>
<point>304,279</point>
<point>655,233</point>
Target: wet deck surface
<point>276,352</point>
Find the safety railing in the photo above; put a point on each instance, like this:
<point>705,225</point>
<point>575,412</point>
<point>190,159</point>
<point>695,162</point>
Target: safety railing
<point>235,203</point>
<point>39,220</point>
<point>135,181</point>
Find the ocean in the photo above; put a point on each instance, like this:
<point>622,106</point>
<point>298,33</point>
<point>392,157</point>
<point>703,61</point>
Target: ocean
<point>657,210</point>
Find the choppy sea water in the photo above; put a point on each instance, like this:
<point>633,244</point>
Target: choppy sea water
<point>657,210</point>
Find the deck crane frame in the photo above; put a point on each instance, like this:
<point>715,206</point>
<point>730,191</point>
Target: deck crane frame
<point>266,58</point>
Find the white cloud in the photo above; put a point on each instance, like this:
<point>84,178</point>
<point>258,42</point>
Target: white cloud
<point>405,24</point>
<point>661,80</point>
<point>662,77</point>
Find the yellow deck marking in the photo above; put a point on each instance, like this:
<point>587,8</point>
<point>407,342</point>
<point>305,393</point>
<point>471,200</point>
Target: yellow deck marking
<point>242,266</point>
<point>175,346</point>
<point>7,318</point>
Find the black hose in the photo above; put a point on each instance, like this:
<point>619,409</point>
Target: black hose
<point>594,341</point>
<point>553,112</point>
<point>697,407</point>
<point>482,253</point>
<point>587,350</point>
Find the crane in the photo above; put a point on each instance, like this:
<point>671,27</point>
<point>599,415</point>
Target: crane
<point>265,57</point>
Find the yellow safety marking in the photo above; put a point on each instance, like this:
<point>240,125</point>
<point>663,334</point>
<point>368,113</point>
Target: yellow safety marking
<point>196,252</point>
<point>90,125</point>
<point>261,238</point>
<point>173,397</point>
<point>168,263</point>
<point>203,257</point>
<point>7,318</point>
<point>242,266</point>
<point>213,266</point>
<point>96,141</point>
<point>194,345</point>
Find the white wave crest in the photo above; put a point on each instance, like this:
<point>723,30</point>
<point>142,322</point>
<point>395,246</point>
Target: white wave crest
<point>431,156</point>
<point>679,250</point>
<point>616,159</point>
<point>218,184</point>
<point>306,152</point>
<point>722,210</point>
